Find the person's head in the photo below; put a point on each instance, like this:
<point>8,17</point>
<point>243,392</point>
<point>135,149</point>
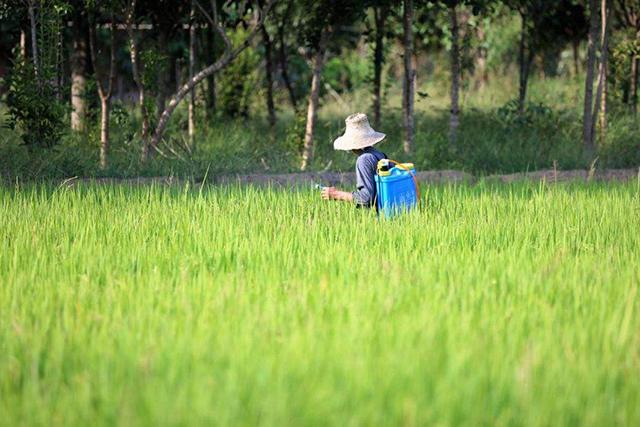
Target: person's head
<point>358,135</point>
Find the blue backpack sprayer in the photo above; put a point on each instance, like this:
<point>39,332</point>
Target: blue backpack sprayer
<point>397,188</point>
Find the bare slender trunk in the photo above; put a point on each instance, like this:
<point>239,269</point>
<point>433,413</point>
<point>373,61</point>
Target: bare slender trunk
<point>284,63</point>
<point>59,65</point>
<point>634,85</point>
<point>599,109</point>
<point>23,44</point>
<point>380,16</point>
<point>576,57</point>
<point>104,92</point>
<point>192,60</point>
<point>78,74</point>
<point>482,77</point>
<point>409,76</point>
<point>135,65</point>
<point>164,71</point>
<point>34,40</point>
<point>314,97</point>
<point>104,132</point>
<point>211,80</point>
<point>455,77</point>
<point>268,69</point>
<point>587,117</point>
<point>525,57</point>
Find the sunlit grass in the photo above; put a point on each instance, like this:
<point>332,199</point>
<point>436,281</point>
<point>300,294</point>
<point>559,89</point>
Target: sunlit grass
<point>240,306</point>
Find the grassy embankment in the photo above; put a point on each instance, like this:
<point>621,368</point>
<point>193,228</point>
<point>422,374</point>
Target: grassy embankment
<point>497,305</point>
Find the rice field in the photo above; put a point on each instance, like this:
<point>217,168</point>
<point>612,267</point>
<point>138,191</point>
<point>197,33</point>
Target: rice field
<point>494,305</point>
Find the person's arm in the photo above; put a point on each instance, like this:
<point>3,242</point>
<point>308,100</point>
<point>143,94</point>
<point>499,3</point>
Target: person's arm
<point>365,184</point>
<point>331,193</point>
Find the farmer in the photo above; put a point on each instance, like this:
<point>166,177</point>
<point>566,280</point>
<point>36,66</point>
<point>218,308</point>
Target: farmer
<point>359,138</point>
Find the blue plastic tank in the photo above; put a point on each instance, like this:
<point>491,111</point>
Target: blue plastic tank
<point>396,191</point>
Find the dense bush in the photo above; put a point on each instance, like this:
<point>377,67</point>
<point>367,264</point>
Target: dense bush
<point>33,108</point>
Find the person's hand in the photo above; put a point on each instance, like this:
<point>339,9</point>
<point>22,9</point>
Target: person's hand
<point>329,193</point>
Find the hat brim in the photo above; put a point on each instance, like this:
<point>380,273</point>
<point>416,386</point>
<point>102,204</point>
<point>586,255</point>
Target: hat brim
<point>349,142</point>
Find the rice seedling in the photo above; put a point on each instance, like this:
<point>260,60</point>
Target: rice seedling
<point>495,305</point>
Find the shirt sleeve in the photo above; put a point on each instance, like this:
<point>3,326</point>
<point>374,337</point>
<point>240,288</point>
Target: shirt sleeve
<point>365,181</point>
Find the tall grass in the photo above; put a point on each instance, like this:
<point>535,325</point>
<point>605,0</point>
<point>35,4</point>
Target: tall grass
<point>495,305</point>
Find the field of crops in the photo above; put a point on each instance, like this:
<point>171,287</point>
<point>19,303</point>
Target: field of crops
<point>495,305</point>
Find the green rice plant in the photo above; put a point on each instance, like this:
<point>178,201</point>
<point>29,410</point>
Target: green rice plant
<point>494,305</point>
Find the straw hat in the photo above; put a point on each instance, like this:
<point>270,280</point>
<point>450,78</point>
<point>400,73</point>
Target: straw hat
<point>359,134</point>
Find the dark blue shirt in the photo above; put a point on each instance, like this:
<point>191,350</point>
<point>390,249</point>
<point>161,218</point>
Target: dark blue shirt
<point>366,165</point>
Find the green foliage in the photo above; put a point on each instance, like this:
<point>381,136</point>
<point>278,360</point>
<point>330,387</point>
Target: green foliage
<point>347,72</point>
<point>237,82</point>
<point>533,112</point>
<point>625,47</point>
<point>318,16</point>
<point>294,138</point>
<point>33,108</point>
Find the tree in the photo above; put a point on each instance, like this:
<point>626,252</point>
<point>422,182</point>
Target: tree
<point>381,11</point>
<point>543,24</point>
<point>268,71</point>
<point>600,109</point>
<point>34,40</point>
<point>168,18</point>
<point>592,109</point>
<point>282,54</point>
<point>408,86</point>
<point>104,92</point>
<point>192,65</point>
<point>628,14</point>
<point>314,96</point>
<point>31,95</point>
<point>454,120</point>
<point>137,78</point>
<point>322,21</point>
<point>211,53</point>
<point>78,65</point>
<point>230,53</point>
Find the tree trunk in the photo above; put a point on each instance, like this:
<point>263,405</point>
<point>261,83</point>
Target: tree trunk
<point>104,132</point>
<point>135,70</point>
<point>576,57</point>
<point>380,16</point>
<point>103,93</point>
<point>164,71</point>
<point>633,98</point>
<point>78,62</point>
<point>268,69</point>
<point>600,107</point>
<point>34,40</point>
<point>409,76</point>
<point>59,64</point>
<point>587,117</point>
<point>525,57</point>
<point>314,97</point>
<point>482,77</point>
<point>284,64</point>
<point>192,60</point>
<point>211,80</point>
<point>455,76</point>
